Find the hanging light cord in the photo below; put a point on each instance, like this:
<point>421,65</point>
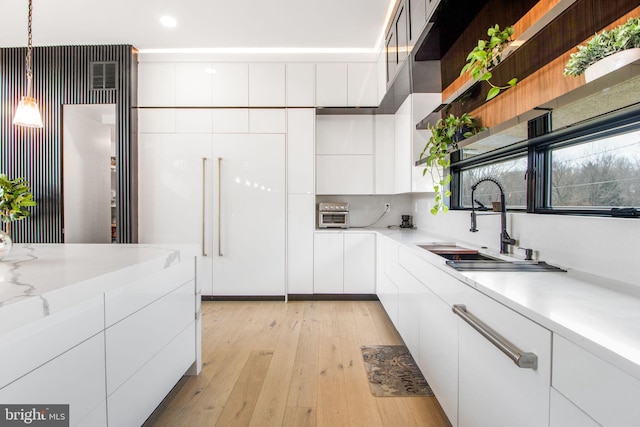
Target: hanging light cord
<point>28,59</point>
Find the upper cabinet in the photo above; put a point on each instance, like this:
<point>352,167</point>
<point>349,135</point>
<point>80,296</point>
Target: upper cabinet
<point>203,84</point>
<point>300,85</point>
<point>331,85</point>
<point>266,85</point>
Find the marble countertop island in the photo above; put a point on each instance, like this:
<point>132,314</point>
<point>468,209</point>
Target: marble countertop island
<point>37,280</point>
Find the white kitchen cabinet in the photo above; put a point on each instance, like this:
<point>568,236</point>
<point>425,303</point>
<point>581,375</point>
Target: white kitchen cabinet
<point>301,151</point>
<point>345,134</point>
<point>301,210</point>
<point>438,328</point>
<point>301,85</point>
<point>386,289</point>
<point>410,299</point>
<point>269,120</point>
<point>344,160</point>
<point>362,84</point>
<point>384,154</point>
<point>157,120</point>
<point>359,263</point>
<point>249,212</point>
<point>193,85</point>
<point>410,141</point>
<point>602,391</point>
<point>493,390</point>
<point>331,85</point>
<point>137,398</point>
<point>566,414</point>
<point>191,120</point>
<point>344,174</point>
<point>75,378</point>
<point>328,263</point>
<point>136,339</point>
<point>174,172</point>
<point>229,84</point>
<point>403,148</point>
<point>178,178</point>
<point>231,120</point>
<point>344,263</point>
<point>267,85</point>
<point>156,84</point>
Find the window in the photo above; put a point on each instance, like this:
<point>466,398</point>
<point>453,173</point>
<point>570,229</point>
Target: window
<point>601,173</point>
<point>510,173</point>
<point>589,169</point>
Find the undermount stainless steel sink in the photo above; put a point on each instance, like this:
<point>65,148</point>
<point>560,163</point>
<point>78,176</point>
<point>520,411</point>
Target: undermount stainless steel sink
<point>452,251</point>
<point>467,259</point>
<point>502,265</point>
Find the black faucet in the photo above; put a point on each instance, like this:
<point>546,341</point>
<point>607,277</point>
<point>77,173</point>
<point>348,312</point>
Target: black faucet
<point>505,239</point>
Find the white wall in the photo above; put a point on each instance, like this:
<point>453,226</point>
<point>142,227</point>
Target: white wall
<point>87,173</point>
<point>597,245</point>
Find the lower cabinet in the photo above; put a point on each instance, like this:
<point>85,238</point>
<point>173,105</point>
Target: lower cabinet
<point>75,378</point>
<point>493,390</point>
<point>597,391</point>
<point>344,262</point>
<point>475,383</point>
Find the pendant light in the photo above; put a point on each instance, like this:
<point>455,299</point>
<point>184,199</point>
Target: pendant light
<point>27,113</point>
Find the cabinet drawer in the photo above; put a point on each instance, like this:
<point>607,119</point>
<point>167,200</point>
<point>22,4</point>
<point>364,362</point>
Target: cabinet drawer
<point>132,403</point>
<point>133,341</point>
<point>493,390</point>
<point>607,394</point>
<point>24,349</point>
<point>566,414</point>
<point>127,299</point>
<point>75,378</point>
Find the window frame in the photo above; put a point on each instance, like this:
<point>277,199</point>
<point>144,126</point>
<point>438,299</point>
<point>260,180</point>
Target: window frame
<point>538,151</point>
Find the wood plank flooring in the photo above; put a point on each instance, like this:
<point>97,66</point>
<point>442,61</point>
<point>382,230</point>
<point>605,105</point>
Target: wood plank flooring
<point>297,364</point>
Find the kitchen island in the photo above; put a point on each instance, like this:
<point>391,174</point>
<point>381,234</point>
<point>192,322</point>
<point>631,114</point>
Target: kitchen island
<point>105,329</point>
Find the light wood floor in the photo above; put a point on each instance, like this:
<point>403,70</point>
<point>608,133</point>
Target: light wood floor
<point>296,364</point>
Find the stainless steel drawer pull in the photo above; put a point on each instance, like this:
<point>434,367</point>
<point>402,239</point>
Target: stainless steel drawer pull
<point>219,206</point>
<point>520,358</point>
<point>204,166</point>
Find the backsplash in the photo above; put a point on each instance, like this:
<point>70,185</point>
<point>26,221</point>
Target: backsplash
<point>596,245</point>
<point>363,210</point>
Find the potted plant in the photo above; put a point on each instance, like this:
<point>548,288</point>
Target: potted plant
<point>486,55</point>
<point>445,135</point>
<point>15,198</point>
<point>606,52</point>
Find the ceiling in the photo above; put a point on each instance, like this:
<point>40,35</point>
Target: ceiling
<point>212,24</point>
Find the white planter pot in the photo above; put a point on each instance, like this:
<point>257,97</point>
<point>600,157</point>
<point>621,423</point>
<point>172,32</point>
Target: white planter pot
<point>611,63</point>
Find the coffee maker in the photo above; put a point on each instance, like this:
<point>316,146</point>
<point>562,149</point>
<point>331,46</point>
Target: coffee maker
<point>407,221</point>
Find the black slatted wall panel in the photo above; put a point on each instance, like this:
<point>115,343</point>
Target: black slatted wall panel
<point>61,75</point>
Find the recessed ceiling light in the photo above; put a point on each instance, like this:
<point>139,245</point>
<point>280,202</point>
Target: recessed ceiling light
<point>168,21</point>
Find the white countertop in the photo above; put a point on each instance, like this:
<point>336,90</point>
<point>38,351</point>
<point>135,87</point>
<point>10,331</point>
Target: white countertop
<point>596,313</point>
<point>37,280</point>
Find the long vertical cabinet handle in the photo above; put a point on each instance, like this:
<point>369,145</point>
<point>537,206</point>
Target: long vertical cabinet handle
<point>520,358</point>
<point>219,206</point>
<point>204,166</point>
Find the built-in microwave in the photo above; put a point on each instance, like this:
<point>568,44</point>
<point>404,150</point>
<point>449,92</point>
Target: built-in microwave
<point>333,215</point>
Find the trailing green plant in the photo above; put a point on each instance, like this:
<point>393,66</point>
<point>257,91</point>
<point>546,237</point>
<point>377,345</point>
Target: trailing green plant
<point>445,135</point>
<point>608,42</point>
<point>486,55</point>
<point>15,198</point>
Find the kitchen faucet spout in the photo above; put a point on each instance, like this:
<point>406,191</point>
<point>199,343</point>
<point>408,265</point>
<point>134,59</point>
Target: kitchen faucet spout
<point>505,239</point>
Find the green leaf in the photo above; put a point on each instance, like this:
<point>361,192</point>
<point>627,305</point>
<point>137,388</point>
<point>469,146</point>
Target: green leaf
<point>485,76</point>
<point>493,92</point>
<point>512,82</point>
